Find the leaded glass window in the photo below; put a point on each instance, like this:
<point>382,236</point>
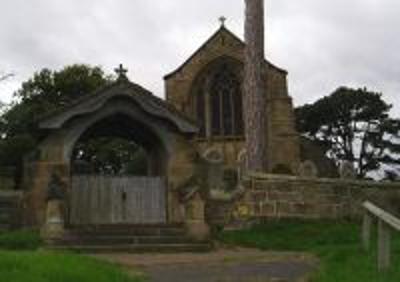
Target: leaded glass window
<point>223,93</point>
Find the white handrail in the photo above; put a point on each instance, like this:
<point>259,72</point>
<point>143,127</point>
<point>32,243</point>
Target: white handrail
<point>386,223</point>
<point>383,215</point>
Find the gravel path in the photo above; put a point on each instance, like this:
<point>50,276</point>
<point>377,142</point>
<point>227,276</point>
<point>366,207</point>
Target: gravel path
<point>239,265</point>
<point>241,272</point>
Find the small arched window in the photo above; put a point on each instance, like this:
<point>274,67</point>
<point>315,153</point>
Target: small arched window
<point>219,103</point>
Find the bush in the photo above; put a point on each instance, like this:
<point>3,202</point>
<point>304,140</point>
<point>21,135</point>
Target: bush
<point>20,240</point>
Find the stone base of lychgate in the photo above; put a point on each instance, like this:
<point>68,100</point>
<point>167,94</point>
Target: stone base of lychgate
<point>36,184</point>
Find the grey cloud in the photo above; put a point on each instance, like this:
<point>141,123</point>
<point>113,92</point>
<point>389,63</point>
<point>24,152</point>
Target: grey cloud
<point>323,44</point>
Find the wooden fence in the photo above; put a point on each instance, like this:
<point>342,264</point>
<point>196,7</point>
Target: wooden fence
<point>386,224</point>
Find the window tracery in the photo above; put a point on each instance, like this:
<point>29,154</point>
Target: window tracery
<point>222,92</point>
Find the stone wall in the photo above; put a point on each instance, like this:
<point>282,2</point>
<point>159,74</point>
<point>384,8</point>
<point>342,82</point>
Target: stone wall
<point>10,210</point>
<point>7,183</point>
<point>219,212</point>
<point>7,179</point>
<point>275,197</point>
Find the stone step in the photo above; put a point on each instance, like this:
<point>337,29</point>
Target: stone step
<point>128,230</point>
<point>8,208</point>
<point>9,195</point>
<point>129,238</point>
<point>125,240</point>
<point>136,248</point>
<point>8,204</point>
<point>4,227</point>
<point>125,226</point>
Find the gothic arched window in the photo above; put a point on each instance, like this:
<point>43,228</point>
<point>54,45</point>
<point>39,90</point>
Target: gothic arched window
<point>219,104</point>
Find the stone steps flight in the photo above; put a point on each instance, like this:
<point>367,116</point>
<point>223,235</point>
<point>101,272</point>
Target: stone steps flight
<point>129,239</point>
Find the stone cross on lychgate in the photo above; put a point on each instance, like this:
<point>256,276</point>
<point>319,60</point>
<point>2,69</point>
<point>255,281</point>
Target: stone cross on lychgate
<point>222,19</point>
<point>121,72</point>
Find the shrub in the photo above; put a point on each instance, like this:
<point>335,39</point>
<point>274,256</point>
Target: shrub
<point>20,240</point>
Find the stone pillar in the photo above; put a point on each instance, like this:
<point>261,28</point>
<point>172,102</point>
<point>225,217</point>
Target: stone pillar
<point>54,226</point>
<point>180,169</point>
<point>36,184</point>
<point>196,226</point>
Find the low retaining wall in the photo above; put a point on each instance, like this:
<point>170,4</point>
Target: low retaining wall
<point>7,179</point>
<point>219,212</point>
<point>7,183</point>
<point>274,196</point>
<point>10,210</point>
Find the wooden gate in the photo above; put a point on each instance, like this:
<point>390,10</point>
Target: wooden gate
<point>101,200</point>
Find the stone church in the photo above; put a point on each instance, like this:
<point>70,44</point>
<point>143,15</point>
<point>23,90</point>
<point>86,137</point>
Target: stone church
<point>201,121</point>
<point>207,87</point>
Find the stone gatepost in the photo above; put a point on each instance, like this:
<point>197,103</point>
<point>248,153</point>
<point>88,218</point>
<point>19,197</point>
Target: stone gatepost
<point>37,178</point>
<point>54,226</point>
<point>196,226</point>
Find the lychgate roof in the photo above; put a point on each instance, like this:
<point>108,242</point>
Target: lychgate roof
<point>148,102</point>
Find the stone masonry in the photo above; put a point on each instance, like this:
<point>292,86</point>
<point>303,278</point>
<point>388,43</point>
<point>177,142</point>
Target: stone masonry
<point>279,197</point>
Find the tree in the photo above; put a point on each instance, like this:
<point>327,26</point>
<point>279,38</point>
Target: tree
<point>355,126</point>
<point>254,95</point>
<point>5,76</point>
<point>110,156</point>
<point>46,91</point>
<point>2,107</point>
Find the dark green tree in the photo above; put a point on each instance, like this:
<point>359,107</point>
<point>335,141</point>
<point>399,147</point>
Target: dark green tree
<point>48,91</point>
<point>110,156</point>
<point>45,92</point>
<point>356,126</point>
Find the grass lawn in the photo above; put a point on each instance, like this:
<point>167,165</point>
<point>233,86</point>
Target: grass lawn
<point>54,267</point>
<point>30,265</point>
<point>337,244</point>
<point>20,240</point>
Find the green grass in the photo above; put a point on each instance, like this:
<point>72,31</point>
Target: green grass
<point>20,240</point>
<point>55,267</point>
<point>337,244</point>
<point>21,262</point>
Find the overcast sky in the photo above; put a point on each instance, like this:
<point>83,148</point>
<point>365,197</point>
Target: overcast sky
<point>323,44</point>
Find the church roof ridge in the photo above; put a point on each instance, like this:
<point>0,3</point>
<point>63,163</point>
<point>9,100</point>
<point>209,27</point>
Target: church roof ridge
<point>222,28</point>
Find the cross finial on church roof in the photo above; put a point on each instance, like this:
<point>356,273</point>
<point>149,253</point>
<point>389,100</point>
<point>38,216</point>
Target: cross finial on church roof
<point>222,19</point>
<point>121,72</point>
